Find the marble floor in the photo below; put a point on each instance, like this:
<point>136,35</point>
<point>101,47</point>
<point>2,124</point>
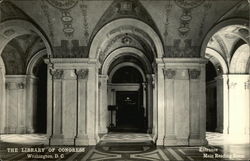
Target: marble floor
<point>119,147</point>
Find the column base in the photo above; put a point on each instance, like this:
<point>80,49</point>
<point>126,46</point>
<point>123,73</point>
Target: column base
<point>82,140</point>
<point>30,130</point>
<point>149,130</point>
<point>56,140</point>
<point>198,142</point>
<point>92,141</point>
<point>182,141</point>
<point>15,130</point>
<point>160,140</point>
<point>219,129</point>
<point>170,140</point>
<point>103,131</point>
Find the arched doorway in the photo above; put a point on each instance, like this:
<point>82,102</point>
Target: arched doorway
<point>21,42</point>
<point>41,103</point>
<point>127,84</point>
<point>227,45</point>
<point>211,98</point>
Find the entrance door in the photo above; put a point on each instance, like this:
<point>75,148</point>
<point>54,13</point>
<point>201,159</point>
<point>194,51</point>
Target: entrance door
<point>130,113</point>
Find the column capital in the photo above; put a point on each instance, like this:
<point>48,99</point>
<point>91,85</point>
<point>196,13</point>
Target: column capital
<point>194,73</point>
<point>82,73</point>
<point>169,73</point>
<point>104,77</point>
<point>15,85</point>
<point>57,73</point>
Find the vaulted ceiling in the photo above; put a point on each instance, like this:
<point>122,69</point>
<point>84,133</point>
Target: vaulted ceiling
<point>70,25</point>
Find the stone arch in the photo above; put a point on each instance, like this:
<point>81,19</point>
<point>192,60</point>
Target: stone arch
<point>217,59</point>
<point>234,21</point>
<point>2,95</point>
<point>129,25</point>
<point>13,28</point>
<point>34,60</point>
<point>126,64</point>
<point>240,62</point>
<point>121,52</point>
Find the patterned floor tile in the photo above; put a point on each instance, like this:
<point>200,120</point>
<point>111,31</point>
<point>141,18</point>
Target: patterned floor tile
<point>130,152</point>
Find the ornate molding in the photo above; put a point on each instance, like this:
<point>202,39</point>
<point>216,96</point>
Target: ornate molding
<point>63,5</point>
<point>186,17</point>
<point>21,85</point>
<point>82,73</point>
<point>126,40</point>
<point>169,73</point>
<point>194,73</point>
<point>57,74</point>
<point>188,4</point>
<point>15,85</point>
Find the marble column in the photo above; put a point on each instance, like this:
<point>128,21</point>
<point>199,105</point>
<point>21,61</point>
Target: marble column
<point>2,100</point>
<point>15,104</point>
<point>56,137</point>
<point>81,117</point>
<point>222,104</point>
<point>92,106</point>
<point>31,103</point>
<point>150,102</point>
<point>155,109</point>
<point>160,104</point>
<point>195,86</point>
<point>170,137</point>
<point>103,104</point>
<point>69,105</point>
<point>182,106</point>
<point>72,101</point>
<point>184,103</point>
<point>144,94</point>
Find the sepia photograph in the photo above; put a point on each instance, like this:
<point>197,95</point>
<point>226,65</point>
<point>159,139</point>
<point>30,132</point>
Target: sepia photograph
<point>124,80</point>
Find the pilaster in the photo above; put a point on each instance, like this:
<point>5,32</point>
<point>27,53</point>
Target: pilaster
<point>81,117</point>
<point>72,99</point>
<point>170,137</point>
<point>103,104</point>
<point>185,109</point>
<point>31,94</point>
<point>15,104</point>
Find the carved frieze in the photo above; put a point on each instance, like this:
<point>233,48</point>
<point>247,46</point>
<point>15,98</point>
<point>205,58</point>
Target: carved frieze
<point>21,85</point>
<point>182,49</point>
<point>194,73</point>
<point>15,85</point>
<point>65,4</point>
<point>57,74</point>
<point>82,73</point>
<point>169,73</point>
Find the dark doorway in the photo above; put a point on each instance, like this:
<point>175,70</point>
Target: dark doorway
<point>211,98</point>
<point>41,112</point>
<point>130,113</point>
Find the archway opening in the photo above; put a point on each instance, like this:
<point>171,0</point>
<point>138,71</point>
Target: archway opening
<point>130,115</point>
<point>227,49</point>
<point>211,98</point>
<point>22,106</point>
<point>41,104</point>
